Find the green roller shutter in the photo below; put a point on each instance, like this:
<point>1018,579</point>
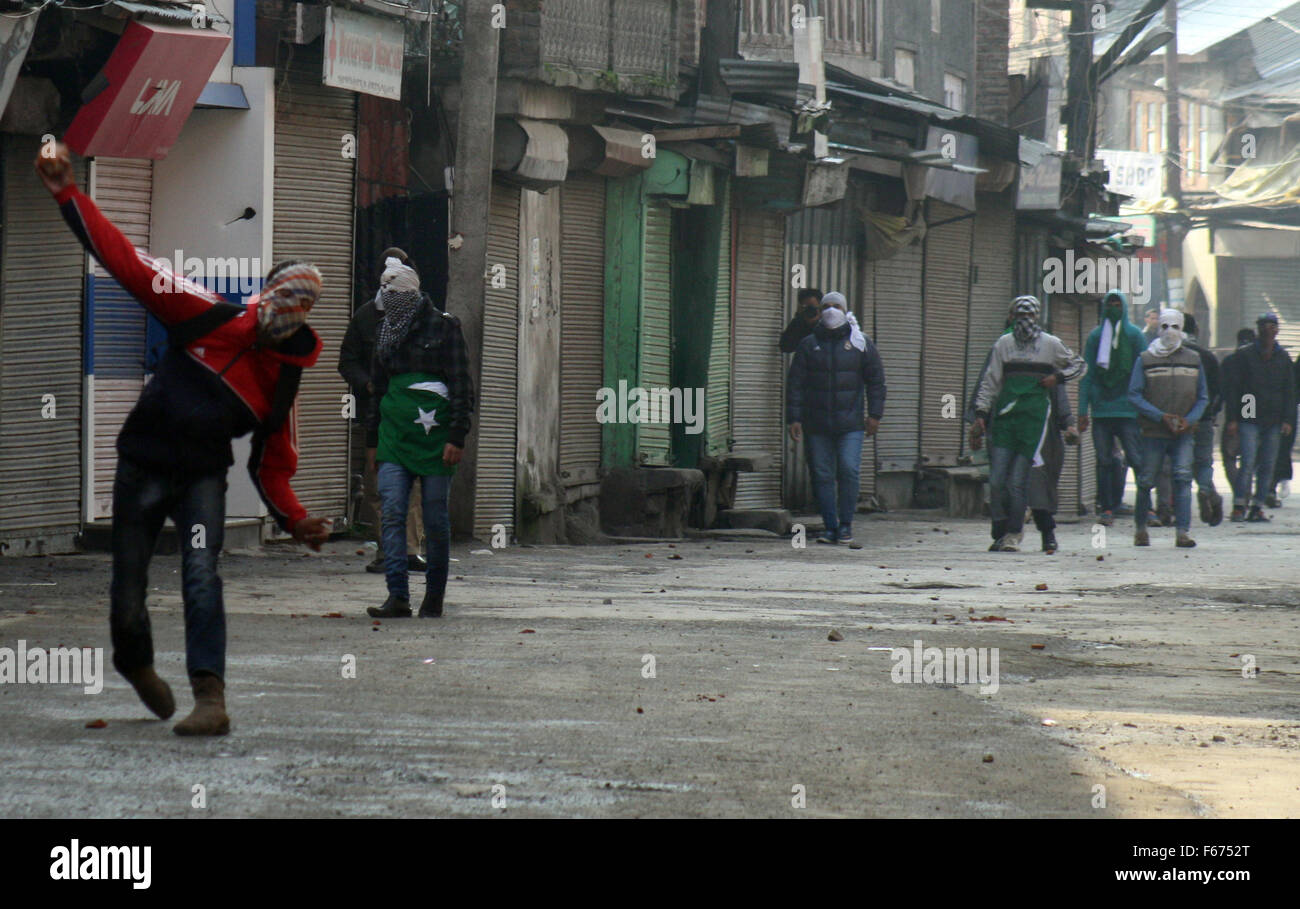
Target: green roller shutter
<point>654,344</point>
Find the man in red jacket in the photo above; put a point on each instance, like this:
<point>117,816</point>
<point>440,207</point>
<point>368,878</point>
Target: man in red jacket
<point>229,370</point>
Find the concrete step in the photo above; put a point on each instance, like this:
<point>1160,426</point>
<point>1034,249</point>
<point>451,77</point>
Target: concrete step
<point>241,533</point>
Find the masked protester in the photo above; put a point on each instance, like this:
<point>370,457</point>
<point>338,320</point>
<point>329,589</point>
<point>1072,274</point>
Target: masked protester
<point>808,310</point>
<point>1259,398</point>
<point>835,375</point>
<point>1169,392</point>
<point>1044,478</point>
<point>420,415</point>
<point>1110,352</point>
<point>230,370</point>
<point>355,357</point>
<point>1015,395</point>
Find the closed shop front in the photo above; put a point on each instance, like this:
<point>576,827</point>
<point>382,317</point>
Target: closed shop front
<point>494,486</point>
<point>314,206</point>
<point>992,282</point>
<point>718,390</point>
<point>897,295</point>
<point>1272,285</point>
<point>943,326</point>
<point>42,271</point>
<point>824,243</point>
<point>1071,322</point>
<point>758,410</point>
<point>123,189</point>
<point>654,340</point>
<point>582,325</point>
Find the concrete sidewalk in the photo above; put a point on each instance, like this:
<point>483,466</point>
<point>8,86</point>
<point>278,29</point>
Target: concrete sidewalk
<point>533,696</point>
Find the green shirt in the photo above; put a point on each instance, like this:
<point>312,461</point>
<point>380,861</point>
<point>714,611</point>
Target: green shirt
<point>413,424</point>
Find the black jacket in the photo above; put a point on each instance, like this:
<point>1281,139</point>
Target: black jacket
<point>434,345</point>
<point>798,329</point>
<point>1213,380</point>
<point>1271,381</point>
<point>830,381</point>
<point>356,352</point>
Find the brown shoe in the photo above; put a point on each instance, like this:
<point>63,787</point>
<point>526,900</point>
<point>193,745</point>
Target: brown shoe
<point>156,694</point>
<point>209,714</point>
<point>1184,541</point>
<point>1141,538</point>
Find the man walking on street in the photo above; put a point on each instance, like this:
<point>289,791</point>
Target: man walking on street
<point>1025,365</point>
<point>1230,444</point>
<point>420,416</point>
<point>1260,397</point>
<point>835,376</point>
<point>230,370</point>
<point>1110,352</point>
<point>1208,498</point>
<point>355,360</point>
<point>1169,392</point>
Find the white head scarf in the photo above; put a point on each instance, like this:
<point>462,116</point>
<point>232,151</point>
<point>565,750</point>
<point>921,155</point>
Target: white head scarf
<point>1170,335</point>
<point>835,300</point>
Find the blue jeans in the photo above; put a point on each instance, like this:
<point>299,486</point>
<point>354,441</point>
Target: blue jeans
<point>1203,455</point>
<point>1008,488</point>
<point>395,483</point>
<point>1179,451</point>
<point>836,460</point>
<point>1104,432</point>
<point>1259,446</point>
<point>142,500</point>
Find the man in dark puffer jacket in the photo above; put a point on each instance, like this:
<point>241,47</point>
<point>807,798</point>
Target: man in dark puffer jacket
<point>835,375</point>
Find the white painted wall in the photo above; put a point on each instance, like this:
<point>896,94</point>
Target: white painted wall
<point>222,163</point>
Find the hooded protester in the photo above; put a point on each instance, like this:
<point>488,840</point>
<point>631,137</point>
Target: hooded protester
<point>1169,393</point>
<point>419,416</point>
<point>229,370</point>
<point>1110,352</point>
<point>1025,364</point>
<point>1044,478</point>
<point>355,357</point>
<point>1259,397</point>
<point>835,376</point>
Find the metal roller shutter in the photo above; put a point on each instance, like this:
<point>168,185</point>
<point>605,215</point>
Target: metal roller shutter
<point>313,197</point>
<point>653,440</point>
<point>1065,324</point>
<point>993,278</point>
<point>1087,462</point>
<point>944,320</point>
<point>718,392</point>
<point>759,377</point>
<point>42,270</point>
<point>824,242</point>
<point>1270,285</point>
<point>582,325</point>
<point>123,189</point>
<point>866,311</point>
<point>898,337</point>
<point>494,485</point>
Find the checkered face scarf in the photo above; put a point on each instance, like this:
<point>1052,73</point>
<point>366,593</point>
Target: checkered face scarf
<point>1025,310</point>
<point>288,296</point>
<point>399,288</point>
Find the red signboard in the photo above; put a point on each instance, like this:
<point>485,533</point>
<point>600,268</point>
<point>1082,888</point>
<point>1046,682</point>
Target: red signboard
<point>147,90</point>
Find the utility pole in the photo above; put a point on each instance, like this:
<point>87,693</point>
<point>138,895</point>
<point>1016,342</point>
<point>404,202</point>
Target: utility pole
<point>471,197</point>
<point>1078,88</point>
<point>1173,160</point>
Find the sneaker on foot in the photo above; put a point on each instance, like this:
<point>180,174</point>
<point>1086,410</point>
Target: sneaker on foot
<point>1283,488</point>
<point>1256,516</point>
<point>1272,501</point>
<point>1049,542</point>
<point>1216,509</point>
<point>1184,541</point>
<point>1106,519</point>
<point>1141,538</point>
<point>1203,502</point>
<point>827,539</point>
<point>1238,514</point>
<point>376,565</point>
<point>393,608</point>
<point>1153,520</point>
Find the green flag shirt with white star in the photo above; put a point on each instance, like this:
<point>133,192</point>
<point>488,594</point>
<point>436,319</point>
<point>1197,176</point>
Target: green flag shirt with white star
<point>413,425</point>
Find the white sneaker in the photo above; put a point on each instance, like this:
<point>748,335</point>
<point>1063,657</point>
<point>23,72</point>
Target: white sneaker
<point>1283,489</point>
<point>1011,542</point>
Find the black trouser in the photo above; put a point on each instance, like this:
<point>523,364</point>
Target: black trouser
<point>142,500</point>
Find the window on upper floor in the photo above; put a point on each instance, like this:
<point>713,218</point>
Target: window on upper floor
<point>848,26</point>
<point>905,67</point>
<point>954,91</point>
